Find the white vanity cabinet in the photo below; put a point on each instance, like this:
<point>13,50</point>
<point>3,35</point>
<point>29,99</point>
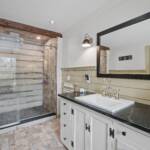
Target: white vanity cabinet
<point>84,129</point>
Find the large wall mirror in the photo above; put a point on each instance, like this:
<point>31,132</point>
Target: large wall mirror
<point>124,50</point>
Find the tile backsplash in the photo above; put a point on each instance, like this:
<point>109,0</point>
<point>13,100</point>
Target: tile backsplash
<point>137,90</point>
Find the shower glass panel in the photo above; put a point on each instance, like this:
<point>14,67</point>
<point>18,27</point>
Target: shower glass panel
<point>9,101</point>
<point>24,78</point>
<point>32,63</point>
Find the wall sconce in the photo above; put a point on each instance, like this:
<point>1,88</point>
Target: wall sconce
<point>87,42</point>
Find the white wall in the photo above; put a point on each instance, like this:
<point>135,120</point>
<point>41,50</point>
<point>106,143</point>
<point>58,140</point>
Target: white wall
<point>137,52</point>
<point>120,11</point>
<point>59,63</point>
<point>59,75</point>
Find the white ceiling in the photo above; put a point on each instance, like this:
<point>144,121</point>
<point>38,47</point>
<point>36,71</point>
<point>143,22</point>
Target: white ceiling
<point>40,12</point>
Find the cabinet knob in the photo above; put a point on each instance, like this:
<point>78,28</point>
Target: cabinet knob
<point>124,133</point>
<point>65,125</point>
<point>65,139</point>
<point>64,103</point>
<point>72,143</point>
<point>64,113</point>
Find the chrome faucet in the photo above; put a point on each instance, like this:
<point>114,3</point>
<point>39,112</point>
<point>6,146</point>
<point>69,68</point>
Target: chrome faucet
<point>109,91</point>
<point>116,93</point>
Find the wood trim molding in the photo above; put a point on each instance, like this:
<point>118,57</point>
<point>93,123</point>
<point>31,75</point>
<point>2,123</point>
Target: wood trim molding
<point>128,72</point>
<point>82,68</point>
<point>28,28</point>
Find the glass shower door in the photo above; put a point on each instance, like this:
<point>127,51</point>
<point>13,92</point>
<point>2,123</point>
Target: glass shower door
<point>9,90</point>
<point>27,77</point>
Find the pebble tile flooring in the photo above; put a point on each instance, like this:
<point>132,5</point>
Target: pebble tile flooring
<point>42,136</point>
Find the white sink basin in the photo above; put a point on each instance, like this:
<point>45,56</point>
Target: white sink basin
<point>111,105</point>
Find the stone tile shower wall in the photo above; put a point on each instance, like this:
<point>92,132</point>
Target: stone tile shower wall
<point>21,80</point>
<point>50,85</point>
<point>21,77</point>
<point>137,90</point>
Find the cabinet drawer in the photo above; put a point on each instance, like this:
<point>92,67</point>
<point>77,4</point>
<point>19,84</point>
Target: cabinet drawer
<point>65,136</point>
<point>64,105</point>
<point>65,110</point>
<point>131,137</point>
<point>64,123</point>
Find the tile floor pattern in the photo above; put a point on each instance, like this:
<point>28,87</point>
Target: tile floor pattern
<point>42,136</point>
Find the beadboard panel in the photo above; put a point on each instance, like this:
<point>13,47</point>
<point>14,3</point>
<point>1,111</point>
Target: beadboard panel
<point>137,90</point>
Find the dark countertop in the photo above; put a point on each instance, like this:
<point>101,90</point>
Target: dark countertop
<point>137,115</point>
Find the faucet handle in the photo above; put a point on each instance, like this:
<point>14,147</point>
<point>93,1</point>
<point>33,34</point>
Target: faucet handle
<point>117,93</point>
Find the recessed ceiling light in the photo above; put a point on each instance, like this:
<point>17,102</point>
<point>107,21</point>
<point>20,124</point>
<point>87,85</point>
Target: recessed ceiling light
<point>38,37</point>
<point>52,22</point>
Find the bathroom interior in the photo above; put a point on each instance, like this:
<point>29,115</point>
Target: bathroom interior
<point>75,75</point>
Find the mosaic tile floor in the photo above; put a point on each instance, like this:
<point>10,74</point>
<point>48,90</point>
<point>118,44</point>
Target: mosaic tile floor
<point>42,136</point>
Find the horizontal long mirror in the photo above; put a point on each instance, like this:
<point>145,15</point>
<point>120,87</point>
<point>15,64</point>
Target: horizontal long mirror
<point>124,50</point>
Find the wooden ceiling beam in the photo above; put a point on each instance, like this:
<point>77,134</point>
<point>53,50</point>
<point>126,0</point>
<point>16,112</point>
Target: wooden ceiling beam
<point>28,28</point>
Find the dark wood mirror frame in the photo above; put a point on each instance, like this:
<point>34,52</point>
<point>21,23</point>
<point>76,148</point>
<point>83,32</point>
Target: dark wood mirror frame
<point>112,29</point>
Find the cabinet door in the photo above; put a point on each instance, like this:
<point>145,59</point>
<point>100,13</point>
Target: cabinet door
<point>127,139</point>
<point>78,129</point>
<point>98,133</point>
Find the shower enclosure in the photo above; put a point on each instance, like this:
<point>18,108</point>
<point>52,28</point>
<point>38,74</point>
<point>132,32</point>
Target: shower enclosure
<point>26,76</point>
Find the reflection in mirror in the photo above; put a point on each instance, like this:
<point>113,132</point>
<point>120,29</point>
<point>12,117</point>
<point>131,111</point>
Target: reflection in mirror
<point>126,51</point>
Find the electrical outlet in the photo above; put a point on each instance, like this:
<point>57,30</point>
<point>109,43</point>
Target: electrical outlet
<point>87,78</point>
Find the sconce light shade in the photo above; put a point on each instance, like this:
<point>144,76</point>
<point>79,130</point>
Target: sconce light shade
<point>87,42</point>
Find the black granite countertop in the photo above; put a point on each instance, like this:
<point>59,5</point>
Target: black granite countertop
<point>137,115</point>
